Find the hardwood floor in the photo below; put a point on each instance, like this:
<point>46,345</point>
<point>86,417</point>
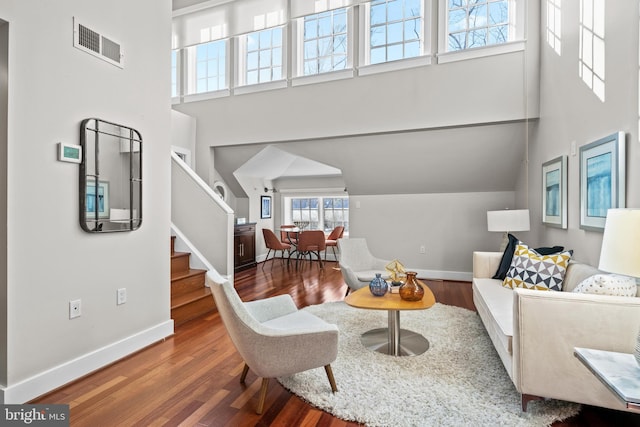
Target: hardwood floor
<point>192,378</point>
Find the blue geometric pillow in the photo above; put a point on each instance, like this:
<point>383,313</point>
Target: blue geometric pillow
<point>531,270</point>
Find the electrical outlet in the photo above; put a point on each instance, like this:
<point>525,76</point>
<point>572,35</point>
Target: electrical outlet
<point>423,249</point>
<point>75,309</point>
<point>122,296</point>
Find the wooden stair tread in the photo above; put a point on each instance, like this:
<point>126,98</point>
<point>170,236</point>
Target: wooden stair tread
<point>175,276</point>
<point>191,297</point>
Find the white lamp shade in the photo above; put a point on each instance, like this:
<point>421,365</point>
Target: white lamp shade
<point>508,220</point>
<point>621,242</point>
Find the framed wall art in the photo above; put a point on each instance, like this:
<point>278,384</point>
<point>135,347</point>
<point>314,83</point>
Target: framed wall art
<point>265,207</point>
<point>602,180</point>
<point>97,199</point>
<point>554,192</point>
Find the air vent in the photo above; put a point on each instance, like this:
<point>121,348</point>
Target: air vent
<point>111,49</point>
<point>96,44</point>
<point>88,39</point>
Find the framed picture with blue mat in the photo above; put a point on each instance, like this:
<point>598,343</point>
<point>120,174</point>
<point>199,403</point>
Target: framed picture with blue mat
<point>602,180</point>
<point>554,192</point>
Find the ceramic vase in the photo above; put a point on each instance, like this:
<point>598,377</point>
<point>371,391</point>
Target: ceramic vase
<point>411,290</point>
<point>378,286</point>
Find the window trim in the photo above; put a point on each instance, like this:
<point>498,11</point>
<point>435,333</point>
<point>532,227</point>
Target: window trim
<point>401,64</point>
<point>323,77</point>
<point>260,87</point>
<point>481,52</point>
<point>195,97</point>
<point>177,99</point>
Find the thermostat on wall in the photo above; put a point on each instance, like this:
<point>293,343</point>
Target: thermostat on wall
<point>69,153</point>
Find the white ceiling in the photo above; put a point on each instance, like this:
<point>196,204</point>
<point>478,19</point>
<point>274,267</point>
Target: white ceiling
<point>272,163</point>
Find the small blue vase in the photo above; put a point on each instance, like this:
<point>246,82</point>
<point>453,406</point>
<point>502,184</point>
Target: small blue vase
<point>378,286</point>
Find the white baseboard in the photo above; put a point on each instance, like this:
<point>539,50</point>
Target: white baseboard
<point>462,276</point>
<point>58,376</point>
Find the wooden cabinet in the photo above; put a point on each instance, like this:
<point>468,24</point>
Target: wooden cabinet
<point>244,242</point>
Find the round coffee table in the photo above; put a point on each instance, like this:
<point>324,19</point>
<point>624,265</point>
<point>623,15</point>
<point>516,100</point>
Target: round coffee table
<point>392,340</point>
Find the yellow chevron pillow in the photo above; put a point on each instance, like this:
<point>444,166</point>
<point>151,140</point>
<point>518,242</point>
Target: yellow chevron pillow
<point>531,270</point>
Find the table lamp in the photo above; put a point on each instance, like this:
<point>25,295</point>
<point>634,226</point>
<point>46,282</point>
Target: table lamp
<point>620,253</point>
<point>506,221</point>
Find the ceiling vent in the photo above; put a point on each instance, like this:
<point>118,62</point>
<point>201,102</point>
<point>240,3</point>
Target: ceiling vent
<point>96,44</point>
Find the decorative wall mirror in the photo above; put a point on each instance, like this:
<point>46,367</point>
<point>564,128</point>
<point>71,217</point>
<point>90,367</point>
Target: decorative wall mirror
<point>110,177</point>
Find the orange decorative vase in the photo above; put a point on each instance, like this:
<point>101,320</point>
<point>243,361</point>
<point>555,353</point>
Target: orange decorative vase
<point>411,289</point>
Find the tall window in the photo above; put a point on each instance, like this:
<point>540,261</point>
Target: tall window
<point>395,30</point>
<point>209,60</point>
<point>325,42</point>
<point>174,73</point>
<point>335,212</point>
<point>591,63</point>
<point>476,23</point>
<point>323,213</point>
<point>264,56</point>
<point>554,25</point>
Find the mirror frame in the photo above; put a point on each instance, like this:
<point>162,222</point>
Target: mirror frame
<point>134,207</point>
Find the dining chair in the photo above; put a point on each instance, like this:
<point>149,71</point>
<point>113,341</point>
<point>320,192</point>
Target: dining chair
<point>273,337</point>
<point>332,240</point>
<point>311,242</point>
<point>274,244</point>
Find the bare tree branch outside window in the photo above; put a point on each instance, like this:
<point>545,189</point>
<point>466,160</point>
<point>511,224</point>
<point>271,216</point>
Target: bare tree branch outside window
<point>476,23</point>
<point>325,42</point>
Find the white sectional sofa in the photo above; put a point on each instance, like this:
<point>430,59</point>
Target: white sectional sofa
<point>535,332</point>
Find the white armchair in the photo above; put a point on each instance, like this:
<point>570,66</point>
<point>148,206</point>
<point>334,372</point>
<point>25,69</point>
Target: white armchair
<point>273,337</point>
<point>358,265</point>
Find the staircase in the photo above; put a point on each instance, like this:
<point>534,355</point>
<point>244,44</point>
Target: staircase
<point>190,298</point>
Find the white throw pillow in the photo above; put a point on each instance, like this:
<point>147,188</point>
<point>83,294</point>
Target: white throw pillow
<point>608,284</point>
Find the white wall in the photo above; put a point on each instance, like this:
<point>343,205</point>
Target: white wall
<point>50,261</point>
<point>450,226</point>
<point>183,134</point>
<point>570,112</point>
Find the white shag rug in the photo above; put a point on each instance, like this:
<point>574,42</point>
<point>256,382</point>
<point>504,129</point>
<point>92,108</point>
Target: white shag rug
<point>458,381</point>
